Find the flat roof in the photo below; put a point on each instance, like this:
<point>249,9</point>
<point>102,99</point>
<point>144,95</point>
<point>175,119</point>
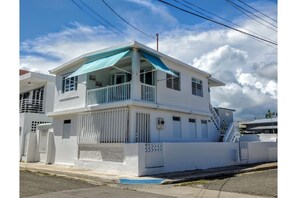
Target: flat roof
<point>259,121</point>
<point>263,127</point>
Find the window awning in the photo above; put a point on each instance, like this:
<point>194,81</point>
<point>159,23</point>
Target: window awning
<point>99,64</point>
<point>157,63</point>
<point>110,60</point>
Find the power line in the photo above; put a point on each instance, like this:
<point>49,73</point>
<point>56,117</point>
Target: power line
<point>257,10</point>
<point>85,11</point>
<point>219,23</point>
<point>150,36</point>
<point>217,17</point>
<point>102,18</point>
<point>243,10</point>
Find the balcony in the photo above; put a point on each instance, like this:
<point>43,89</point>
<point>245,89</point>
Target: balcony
<point>31,106</point>
<point>120,92</point>
<point>109,94</point>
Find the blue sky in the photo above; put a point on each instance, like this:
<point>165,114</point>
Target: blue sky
<point>54,32</point>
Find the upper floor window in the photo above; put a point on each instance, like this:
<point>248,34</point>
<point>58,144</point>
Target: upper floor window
<point>197,87</point>
<point>173,82</point>
<point>69,84</point>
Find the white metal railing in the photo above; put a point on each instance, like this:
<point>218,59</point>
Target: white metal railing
<point>148,92</point>
<point>108,126</point>
<point>232,133</point>
<point>215,116</point>
<point>109,94</point>
<point>31,106</point>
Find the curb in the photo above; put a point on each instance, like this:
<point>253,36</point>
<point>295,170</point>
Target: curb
<point>215,175</point>
<point>87,178</point>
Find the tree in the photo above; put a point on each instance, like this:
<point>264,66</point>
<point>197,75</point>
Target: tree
<point>270,114</point>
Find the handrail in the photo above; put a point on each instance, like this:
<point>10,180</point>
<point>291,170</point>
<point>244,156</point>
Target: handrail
<point>231,133</point>
<point>215,116</point>
<point>152,86</point>
<point>108,86</point>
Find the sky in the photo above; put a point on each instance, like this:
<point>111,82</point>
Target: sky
<point>54,32</point>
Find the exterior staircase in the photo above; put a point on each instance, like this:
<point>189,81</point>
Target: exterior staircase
<point>232,134</point>
<point>215,117</point>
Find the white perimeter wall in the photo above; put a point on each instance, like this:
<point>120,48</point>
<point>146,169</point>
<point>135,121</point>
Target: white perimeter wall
<point>66,149</point>
<point>174,157</point>
<point>258,137</point>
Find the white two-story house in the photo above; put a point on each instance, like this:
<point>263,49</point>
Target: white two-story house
<point>36,99</point>
<point>129,94</point>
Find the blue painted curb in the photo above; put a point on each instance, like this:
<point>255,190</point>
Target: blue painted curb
<point>141,181</point>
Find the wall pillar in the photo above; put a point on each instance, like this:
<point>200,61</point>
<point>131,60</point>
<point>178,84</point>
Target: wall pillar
<point>135,82</point>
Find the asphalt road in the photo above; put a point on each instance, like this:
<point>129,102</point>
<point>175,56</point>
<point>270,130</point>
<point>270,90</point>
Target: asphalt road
<point>263,183</point>
<point>46,186</point>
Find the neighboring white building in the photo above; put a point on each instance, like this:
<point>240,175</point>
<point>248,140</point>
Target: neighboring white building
<point>264,130</point>
<point>36,99</point>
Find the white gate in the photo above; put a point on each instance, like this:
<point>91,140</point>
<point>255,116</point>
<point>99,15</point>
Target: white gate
<point>142,127</point>
<point>108,126</point>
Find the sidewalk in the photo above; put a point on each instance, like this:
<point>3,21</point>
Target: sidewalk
<point>168,178</point>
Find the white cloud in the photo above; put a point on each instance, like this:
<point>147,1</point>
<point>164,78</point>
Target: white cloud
<point>158,10</point>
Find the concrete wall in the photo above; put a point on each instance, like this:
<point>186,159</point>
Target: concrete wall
<point>183,98</point>
<point>191,156</point>
<point>130,166</point>
<point>72,99</point>
<point>258,137</point>
<point>49,91</point>
<point>25,122</point>
<point>262,152</point>
<point>66,149</point>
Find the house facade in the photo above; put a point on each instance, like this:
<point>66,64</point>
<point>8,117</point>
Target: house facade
<point>36,99</point>
<point>130,94</point>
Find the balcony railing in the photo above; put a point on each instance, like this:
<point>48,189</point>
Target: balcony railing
<point>109,94</point>
<point>148,93</point>
<point>31,106</point>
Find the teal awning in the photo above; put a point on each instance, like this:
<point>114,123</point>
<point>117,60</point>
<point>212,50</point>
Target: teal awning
<point>157,63</point>
<point>99,64</point>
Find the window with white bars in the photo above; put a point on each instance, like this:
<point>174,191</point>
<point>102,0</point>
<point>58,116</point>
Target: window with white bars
<point>69,84</point>
<point>197,87</point>
<point>173,82</point>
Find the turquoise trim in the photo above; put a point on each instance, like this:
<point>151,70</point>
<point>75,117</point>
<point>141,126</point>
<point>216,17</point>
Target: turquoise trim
<point>99,64</point>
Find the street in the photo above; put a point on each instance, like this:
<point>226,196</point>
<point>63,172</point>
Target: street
<point>248,185</point>
<point>42,185</point>
<point>263,183</point>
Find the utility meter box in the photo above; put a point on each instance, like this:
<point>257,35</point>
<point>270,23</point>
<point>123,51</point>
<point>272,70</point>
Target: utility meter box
<point>160,123</point>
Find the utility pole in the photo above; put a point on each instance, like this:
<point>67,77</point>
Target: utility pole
<point>157,37</point>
